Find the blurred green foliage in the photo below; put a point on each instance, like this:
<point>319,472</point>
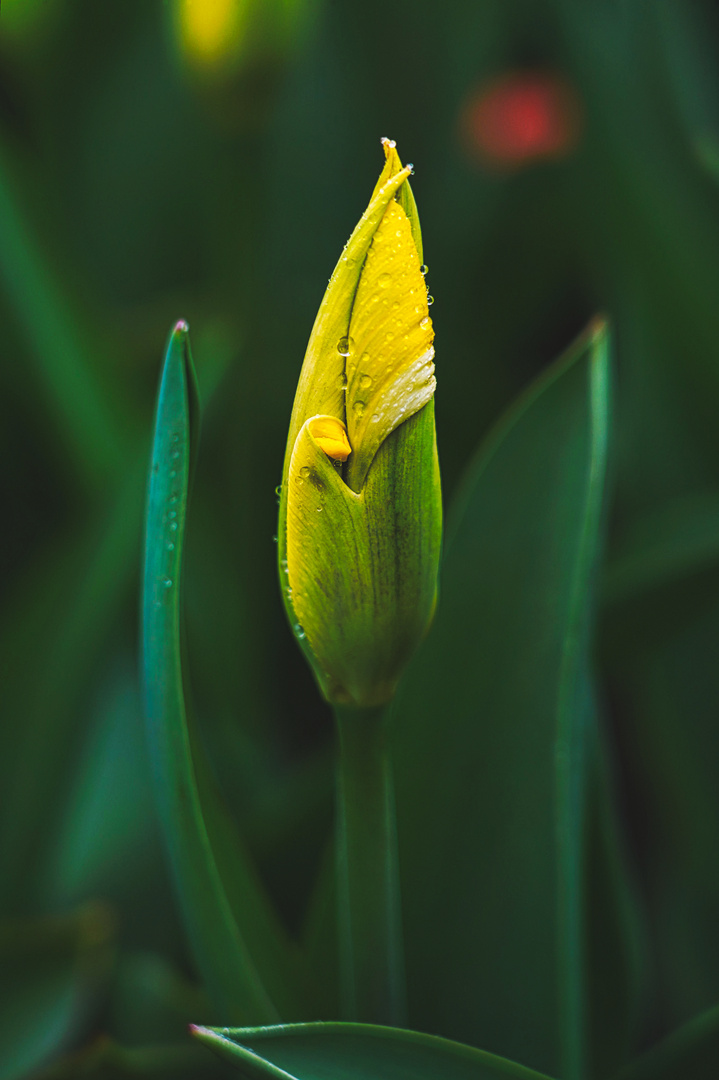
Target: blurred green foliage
<point>140,184</point>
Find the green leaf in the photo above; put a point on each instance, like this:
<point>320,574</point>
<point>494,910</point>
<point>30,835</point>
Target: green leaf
<point>208,863</point>
<point>49,971</point>
<point>490,745</point>
<point>678,539</point>
<point>690,1052</point>
<point>62,366</point>
<point>354,1052</point>
<point>67,607</point>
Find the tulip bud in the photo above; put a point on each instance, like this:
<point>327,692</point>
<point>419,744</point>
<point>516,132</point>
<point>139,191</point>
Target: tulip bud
<point>360,509</point>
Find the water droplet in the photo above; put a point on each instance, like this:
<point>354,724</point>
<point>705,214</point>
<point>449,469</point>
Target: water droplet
<point>358,408</point>
<point>395,305</point>
<point>389,335</point>
<point>410,166</point>
<point>425,322</point>
<point>167,583</point>
<point>170,546</point>
<point>173,499</point>
<point>173,526</point>
<point>300,633</point>
<point>344,346</point>
<point>375,418</point>
<point>175,437</point>
<point>274,539</point>
<point>342,381</point>
<point>175,455</point>
<point>398,233</point>
<point>364,358</point>
<point>384,280</point>
<point>423,269</point>
<point>305,471</point>
<point>365,381</point>
<point>173,474</point>
<point>430,300</point>
<point>172,514</point>
<point>278,490</point>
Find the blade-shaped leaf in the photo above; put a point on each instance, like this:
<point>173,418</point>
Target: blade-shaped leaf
<point>691,1051</point>
<point>354,1052</point>
<point>197,842</point>
<point>490,734</point>
<point>49,974</point>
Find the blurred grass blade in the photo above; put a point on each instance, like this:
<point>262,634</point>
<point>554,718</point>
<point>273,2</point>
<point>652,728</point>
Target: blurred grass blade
<point>492,720</point>
<point>574,711</point>
<point>354,1052</point>
<point>679,539</point>
<point>63,368</point>
<point>49,971</point>
<point>690,1053</point>
<point>220,950</point>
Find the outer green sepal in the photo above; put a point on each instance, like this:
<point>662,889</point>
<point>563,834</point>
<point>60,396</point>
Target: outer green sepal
<point>368,566</point>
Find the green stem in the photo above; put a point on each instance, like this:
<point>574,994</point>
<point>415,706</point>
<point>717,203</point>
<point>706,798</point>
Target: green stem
<point>369,914</point>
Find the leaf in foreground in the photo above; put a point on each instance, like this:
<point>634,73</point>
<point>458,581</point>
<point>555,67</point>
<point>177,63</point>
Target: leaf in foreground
<point>354,1052</point>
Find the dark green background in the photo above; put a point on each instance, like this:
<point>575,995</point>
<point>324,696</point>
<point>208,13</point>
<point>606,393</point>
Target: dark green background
<point>134,193</point>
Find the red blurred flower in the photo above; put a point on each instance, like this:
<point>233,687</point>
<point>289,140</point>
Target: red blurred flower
<point>521,117</point>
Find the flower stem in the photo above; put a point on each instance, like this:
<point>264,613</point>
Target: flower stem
<point>369,916</point>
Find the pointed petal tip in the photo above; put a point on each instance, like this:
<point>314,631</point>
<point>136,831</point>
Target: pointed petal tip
<point>181,327</point>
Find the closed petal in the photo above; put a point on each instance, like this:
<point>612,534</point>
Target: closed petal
<point>390,368</point>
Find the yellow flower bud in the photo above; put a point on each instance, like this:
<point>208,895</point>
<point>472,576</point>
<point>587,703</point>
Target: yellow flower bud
<point>360,511</point>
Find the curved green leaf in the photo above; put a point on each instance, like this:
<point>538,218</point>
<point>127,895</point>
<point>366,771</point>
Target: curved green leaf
<point>490,744</point>
<point>354,1052</point>
<point>219,943</point>
<point>690,1051</point>
<point>50,969</point>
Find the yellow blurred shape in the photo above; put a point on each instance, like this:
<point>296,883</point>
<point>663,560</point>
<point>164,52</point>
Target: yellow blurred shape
<point>210,29</point>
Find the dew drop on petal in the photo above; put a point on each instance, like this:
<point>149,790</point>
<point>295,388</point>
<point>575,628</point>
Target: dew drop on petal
<point>365,381</point>
<point>304,471</point>
<point>430,300</point>
<point>423,269</point>
<point>358,408</point>
<point>384,280</point>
